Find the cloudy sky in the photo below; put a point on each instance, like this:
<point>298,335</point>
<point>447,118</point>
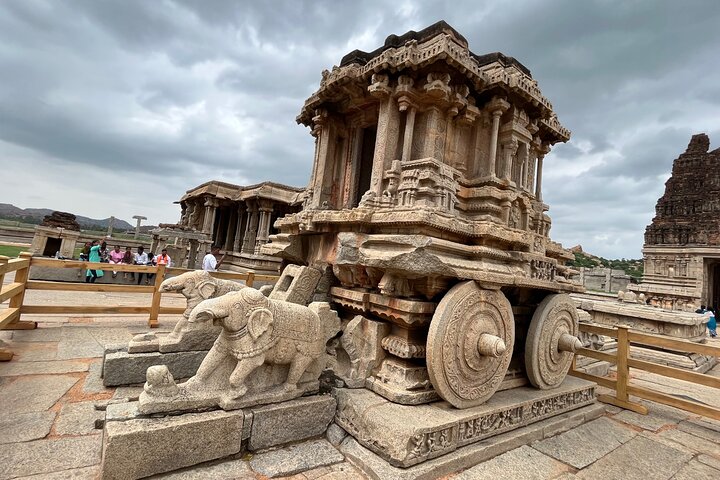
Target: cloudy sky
<point>117,107</point>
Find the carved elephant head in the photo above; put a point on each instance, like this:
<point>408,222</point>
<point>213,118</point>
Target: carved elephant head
<point>195,286</point>
<point>246,310</point>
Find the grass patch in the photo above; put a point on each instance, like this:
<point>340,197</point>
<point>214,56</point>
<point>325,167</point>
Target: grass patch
<point>11,251</point>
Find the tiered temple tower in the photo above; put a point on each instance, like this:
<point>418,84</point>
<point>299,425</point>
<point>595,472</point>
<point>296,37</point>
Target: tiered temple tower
<point>682,244</point>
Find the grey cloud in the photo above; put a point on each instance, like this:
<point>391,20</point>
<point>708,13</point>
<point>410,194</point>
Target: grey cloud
<point>200,89</point>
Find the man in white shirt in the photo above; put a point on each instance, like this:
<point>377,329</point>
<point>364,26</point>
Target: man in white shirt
<point>210,261</point>
<point>141,258</point>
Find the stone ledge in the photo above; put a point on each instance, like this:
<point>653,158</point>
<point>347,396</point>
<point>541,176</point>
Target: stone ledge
<point>405,436</point>
<point>470,455</point>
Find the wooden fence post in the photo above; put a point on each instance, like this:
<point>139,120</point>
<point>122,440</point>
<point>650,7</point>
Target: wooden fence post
<point>5,354</point>
<point>157,297</point>
<point>250,278</point>
<point>21,276</point>
<point>3,261</point>
<point>621,398</point>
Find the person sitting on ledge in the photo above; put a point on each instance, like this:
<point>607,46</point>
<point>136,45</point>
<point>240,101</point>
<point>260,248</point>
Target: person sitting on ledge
<point>128,259</point>
<point>116,256</point>
<point>141,258</point>
<point>210,262</point>
<point>163,259</point>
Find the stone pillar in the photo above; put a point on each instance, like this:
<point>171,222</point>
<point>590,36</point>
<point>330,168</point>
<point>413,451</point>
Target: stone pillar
<point>139,219</point>
<point>209,218</point>
<point>538,181</point>
<point>111,224</point>
<point>319,169</point>
<point>434,146</point>
<point>155,241</point>
<point>192,254</point>
<point>510,148</point>
<point>263,232</point>
<point>497,107</point>
<point>409,130</point>
<point>385,143</point>
<point>217,226</point>
<point>231,221</point>
<point>239,230</point>
<point>250,229</point>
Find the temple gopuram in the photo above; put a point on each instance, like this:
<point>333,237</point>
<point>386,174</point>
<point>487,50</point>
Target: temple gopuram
<point>682,244</point>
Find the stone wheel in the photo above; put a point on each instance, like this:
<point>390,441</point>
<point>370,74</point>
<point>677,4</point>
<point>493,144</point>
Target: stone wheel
<point>551,341</point>
<point>470,344</point>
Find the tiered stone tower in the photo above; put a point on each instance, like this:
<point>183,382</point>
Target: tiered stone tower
<point>682,244</point>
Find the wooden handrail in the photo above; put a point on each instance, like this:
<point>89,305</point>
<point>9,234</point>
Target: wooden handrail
<point>15,292</point>
<point>87,287</point>
<point>622,384</point>
<point>13,265</point>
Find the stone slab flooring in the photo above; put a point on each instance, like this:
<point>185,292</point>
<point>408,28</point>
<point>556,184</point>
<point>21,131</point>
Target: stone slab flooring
<point>48,394</point>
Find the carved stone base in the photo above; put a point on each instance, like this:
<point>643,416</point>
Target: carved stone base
<point>470,455</point>
<point>192,396</point>
<point>403,382</point>
<point>407,436</point>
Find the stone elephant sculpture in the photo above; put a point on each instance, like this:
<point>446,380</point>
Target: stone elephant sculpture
<point>257,330</point>
<point>197,286</point>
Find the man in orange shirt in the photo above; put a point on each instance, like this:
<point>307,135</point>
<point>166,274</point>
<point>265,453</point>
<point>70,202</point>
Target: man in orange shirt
<point>163,259</point>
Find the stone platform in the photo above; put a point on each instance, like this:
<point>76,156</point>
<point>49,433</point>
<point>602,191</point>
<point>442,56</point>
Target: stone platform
<point>405,436</point>
<point>135,445</point>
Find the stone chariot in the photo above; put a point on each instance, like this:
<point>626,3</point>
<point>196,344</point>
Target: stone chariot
<point>425,202</point>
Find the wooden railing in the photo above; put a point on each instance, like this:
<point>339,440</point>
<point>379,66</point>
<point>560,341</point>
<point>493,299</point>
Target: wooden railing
<point>15,291</point>
<point>622,385</point>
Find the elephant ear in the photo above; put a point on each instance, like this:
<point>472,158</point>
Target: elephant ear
<point>201,316</point>
<point>259,321</point>
<point>206,289</point>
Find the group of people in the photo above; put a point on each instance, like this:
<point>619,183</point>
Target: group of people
<point>712,323</point>
<point>97,251</point>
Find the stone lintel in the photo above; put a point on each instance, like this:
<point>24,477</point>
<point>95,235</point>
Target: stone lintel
<point>406,436</point>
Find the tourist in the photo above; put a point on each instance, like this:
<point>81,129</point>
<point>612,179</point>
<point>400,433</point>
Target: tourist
<point>712,323</point>
<point>210,261</point>
<point>140,258</point>
<point>85,253</point>
<point>93,256</point>
<point>104,254</point>
<point>128,259</point>
<point>116,256</point>
<point>151,262</point>
<point>163,259</point>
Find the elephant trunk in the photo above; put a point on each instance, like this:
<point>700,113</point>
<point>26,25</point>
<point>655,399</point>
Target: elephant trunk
<point>211,309</point>
<point>174,284</point>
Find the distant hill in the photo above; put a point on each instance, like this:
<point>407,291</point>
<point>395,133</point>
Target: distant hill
<point>633,267</point>
<point>35,215</point>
